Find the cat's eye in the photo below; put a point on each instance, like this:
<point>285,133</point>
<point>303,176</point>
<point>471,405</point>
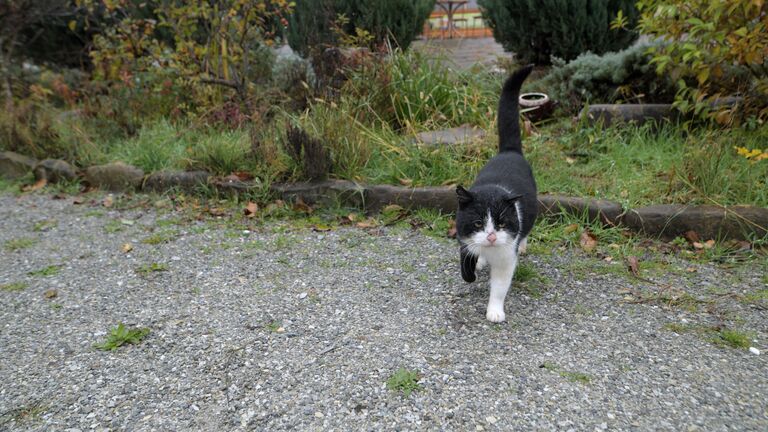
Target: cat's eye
<point>502,225</point>
<point>478,224</point>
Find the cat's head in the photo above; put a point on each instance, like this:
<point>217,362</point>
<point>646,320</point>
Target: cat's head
<point>487,217</point>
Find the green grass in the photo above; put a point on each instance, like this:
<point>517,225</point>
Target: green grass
<point>146,269</point>
<point>274,326</point>
<point>50,270</point>
<point>160,238</point>
<point>121,335</point>
<point>577,377</point>
<point>13,286</point>
<point>113,226</point>
<point>731,338</point>
<point>44,225</point>
<point>14,245</point>
<point>405,381</point>
<point>719,336</point>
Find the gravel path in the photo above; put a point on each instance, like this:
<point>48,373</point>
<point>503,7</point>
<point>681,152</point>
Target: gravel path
<point>284,328</point>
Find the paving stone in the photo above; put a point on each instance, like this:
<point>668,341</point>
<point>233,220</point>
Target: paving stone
<point>116,176</point>
<point>55,170</point>
<point>187,181</point>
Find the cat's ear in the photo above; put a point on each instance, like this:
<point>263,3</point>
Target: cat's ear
<point>465,196</point>
<point>512,199</point>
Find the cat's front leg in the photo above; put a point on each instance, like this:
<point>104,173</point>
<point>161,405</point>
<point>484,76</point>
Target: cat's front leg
<point>501,279</point>
<point>468,263</point>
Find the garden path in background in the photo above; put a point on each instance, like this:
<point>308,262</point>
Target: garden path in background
<point>274,326</point>
<point>463,53</point>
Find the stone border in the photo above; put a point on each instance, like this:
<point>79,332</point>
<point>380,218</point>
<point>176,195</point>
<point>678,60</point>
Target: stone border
<point>664,221</point>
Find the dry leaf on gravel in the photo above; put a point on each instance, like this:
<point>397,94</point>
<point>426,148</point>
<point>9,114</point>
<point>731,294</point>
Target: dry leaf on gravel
<point>51,293</point>
<point>36,186</point>
<point>588,241</point>
<point>108,201</point>
<point>633,265</point>
<point>368,223</point>
<point>127,247</point>
<point>250,209</point>
<point>78,200</point>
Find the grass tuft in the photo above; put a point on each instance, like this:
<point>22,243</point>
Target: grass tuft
<point>404,380</point>
<point>121,335</point>
<point>50,270</point>
<point>13,286</point>
<point>20,243</point>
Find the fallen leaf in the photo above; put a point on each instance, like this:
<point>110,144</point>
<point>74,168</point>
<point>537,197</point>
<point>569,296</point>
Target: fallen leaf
<point>51,293</point>
<point>570,228</point>
<point>452,232</point>
<point>691,270</point>
<point>692,236</point>
<point>588,241</point>
<point>127,222</point>
<point>570,161</point>
<point>127,247</point>
<point>59,196</point>
<point>78,200</point>
<point>217,211</point>
<point>368,223</point>
<point>242,175</point>
<point>250,209</point>
<point>321,227</point>
<point>697,245</point>
<point>36,186</point>
<point>301,206</point>
<point>624,291</point>
<point>709,244</point>
<point>406,181</point>
<point>608,259</point>
<point>108,201</point>
<point>352,217</point>
<point>633,266</point>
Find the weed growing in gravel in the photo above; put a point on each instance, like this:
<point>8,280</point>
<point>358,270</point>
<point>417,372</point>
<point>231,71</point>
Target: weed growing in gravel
<point>94,213</point>
<point>56,306</point>
<point>274,326</point>
<point>44,225</point>
<point>19,243</point>
<point>525,272</point>
<point>159,238</point>
<point>13,286</point>
<point>404,380</point>
<point>149,268</point>
<point>51,270</point>
<point>578,377</point>
<point>113,226</point>
<point>281,242</point>
<point>757,297</point>
<point>24,414</point>
<point>433,223</point>
<point>730,338</point>
<point>121,335</point>
<point>719,336</point>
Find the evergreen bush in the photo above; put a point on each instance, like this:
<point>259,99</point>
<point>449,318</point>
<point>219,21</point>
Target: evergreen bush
<point>323,23</point>
<point>535,30</point>
<point>626,75</point>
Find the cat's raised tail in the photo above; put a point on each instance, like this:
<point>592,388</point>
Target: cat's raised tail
<point>508,119</point>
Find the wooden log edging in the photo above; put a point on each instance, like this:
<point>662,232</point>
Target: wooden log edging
<point>663,221</point>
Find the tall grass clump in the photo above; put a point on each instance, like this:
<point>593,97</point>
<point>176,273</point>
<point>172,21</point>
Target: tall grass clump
<point>408,91</point>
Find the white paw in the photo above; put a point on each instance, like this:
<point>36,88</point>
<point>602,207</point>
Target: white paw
<point>480,264</point>
<point>523,246</point>
<point>495,314</point>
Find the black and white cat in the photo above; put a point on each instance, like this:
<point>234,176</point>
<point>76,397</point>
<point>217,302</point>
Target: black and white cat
<point>497,213</point>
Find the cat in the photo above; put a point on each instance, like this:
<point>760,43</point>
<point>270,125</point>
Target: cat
<point>497,212</point>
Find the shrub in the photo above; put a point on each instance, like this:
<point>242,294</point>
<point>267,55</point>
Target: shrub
<point>712,49</point>
<point>537,29</point>
<point>323,23</point>
<point>627,75</point>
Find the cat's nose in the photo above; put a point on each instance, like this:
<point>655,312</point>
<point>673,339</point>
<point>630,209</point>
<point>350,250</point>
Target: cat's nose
<point>491,238</point>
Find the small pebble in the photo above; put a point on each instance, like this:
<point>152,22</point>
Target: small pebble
<point>754,350</point>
